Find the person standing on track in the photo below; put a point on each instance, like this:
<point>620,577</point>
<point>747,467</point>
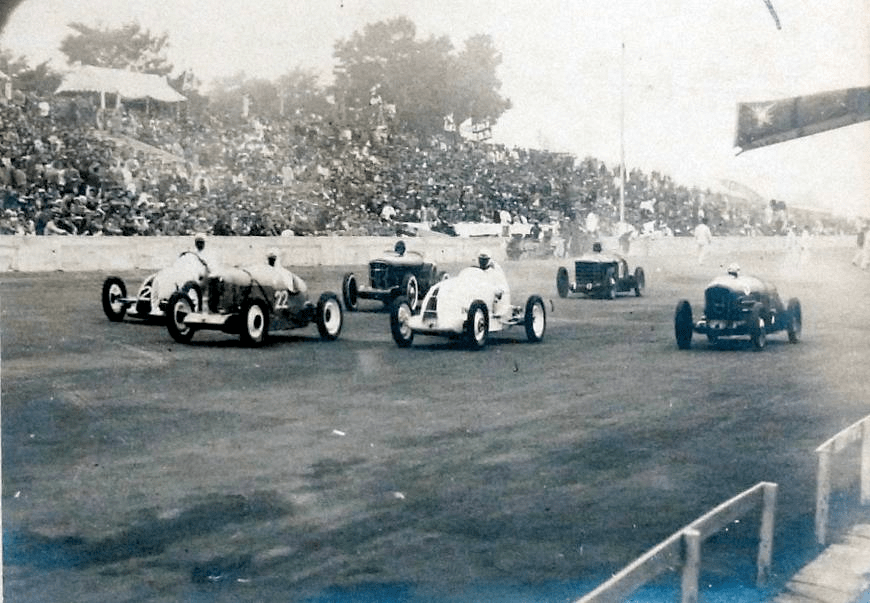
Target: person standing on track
<point>703,239</point>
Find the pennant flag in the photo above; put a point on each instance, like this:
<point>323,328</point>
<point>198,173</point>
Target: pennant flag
<point>761,124</point>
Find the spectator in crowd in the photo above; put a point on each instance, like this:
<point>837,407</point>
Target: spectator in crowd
<point>703,239</point>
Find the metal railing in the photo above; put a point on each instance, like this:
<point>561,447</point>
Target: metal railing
<point>857,431</point>
<point>683,548</point>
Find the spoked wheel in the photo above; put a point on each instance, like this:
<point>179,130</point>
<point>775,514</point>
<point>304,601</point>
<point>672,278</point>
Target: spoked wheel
<point>329,317</point>
<point>535,319</point>
<point>411,290</point>
<point>255,323</point>
<point>349,292</point>
<point>757,330</point>
<point>113,291</point>
<point>400,314</point>
<point>639,281</point>
<point>683,325</point>
<point>795,321</point>
<point>477,325</point>
<point>177,309</point>
<point>562,284</point>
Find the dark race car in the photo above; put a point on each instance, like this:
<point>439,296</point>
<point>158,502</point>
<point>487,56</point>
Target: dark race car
<point>250,303</point>
<point>395,273</point>
<point>601,275</point>
<point>738,307</point>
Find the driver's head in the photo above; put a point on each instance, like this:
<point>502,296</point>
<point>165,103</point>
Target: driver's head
<point>272,257</point>
<point>199,242</point>
<point>483,259</point>
<point>399,248</point>
<point>734,269</point>
<point>596,247</point>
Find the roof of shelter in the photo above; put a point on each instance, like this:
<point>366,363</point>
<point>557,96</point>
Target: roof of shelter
<point>127,84</point>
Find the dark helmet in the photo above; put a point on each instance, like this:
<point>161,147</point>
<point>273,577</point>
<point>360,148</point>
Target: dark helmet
<point>399,248</point>
<point>596,247</point>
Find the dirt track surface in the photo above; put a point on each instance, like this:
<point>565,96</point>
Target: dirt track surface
<point>139,469</point>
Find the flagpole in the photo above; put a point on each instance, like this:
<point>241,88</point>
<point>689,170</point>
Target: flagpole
<point>622,139</point>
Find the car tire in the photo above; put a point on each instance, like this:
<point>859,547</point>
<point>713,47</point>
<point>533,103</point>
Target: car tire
<point>639,281</point>
<point>683,324</point>
<point>562,284</point>
<point>535,319</point>
<point>610,292</point>
<point>757,329</point>
<point>401,311</point>
<point>477,325</point>
<point>411,290</point>
<point>795,320</point>
<point>194,292</point>
<point>114,290</point>
<point>349,292</point>
<point>177,309</point>
<point>329,318</point>
<point>254,323</point>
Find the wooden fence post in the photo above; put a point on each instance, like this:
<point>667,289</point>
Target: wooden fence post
<point>691,564</point>
<point>823,491</point>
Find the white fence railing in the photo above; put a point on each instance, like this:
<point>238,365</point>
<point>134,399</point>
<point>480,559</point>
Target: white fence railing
<point>683,548</point>
<point>840,442</point>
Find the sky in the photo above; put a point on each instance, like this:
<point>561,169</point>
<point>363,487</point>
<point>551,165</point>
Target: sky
<point>657,81</point>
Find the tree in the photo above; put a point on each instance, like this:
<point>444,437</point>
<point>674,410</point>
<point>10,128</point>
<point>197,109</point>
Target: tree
<point>40,80</point>
<point>128,47</point>
<point>476,85</point>
<point>300,94</point>
<point>384,65</point>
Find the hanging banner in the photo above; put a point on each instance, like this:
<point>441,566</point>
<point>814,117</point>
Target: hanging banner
<point>761,124</point>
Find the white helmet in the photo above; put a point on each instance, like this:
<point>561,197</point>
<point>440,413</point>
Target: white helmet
<point>483,259</point>
<point>733,269</point>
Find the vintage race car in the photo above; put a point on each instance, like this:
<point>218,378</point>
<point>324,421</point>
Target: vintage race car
<point>250,303</point>
<point>600,274</point>
<point>468,306</point>
<point>738,306</point>
<point>391,275</point>
<point>151,299</point>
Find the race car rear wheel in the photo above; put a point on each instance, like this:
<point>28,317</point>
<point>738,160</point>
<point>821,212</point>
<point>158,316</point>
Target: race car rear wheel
<point>411,290</point>
<point>255,322</point>
<point>329,317</point>
<point>683,325</point>
<point>113,291</point>
<point>400,314</point>
<point>562,284</point>
<point>177,309</point>
<point>535,319</point>
<point>639,281</point>
<point>349,291</point>
<point>795,320</point>
<point>757,330</point>
<point>477,325</point>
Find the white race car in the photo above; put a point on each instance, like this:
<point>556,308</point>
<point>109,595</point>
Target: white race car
<point>471,306</point>
<point>187,272</point>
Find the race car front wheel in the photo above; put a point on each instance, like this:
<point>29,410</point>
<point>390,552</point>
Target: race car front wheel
<point>411,290</point>
<point>400,314</point>
<point>477,325</point>
<point>255,322</point>
<point>683,325</point>
<point>177,309</point>
<point>536,319</point>
<point>639,281</point>
<point>562,284</point>
<point>349,290</point>
<point>795,320</point>
<point>757,329</point>
<point>113,291</point>
<point>329,317</point>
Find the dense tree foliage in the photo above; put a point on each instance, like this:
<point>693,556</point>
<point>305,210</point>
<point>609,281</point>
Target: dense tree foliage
<point>40,80</point>
<point>422,82</point>
<point>128,47</point>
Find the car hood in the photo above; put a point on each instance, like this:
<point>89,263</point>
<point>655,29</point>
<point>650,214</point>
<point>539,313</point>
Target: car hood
<point>598,258</point>
<point>741,284</point>
<point>410,258</point>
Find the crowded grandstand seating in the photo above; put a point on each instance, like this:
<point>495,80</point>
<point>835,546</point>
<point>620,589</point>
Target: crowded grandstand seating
<point>77,170</point>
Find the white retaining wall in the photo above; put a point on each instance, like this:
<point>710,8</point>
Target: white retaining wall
<point>117,254</point>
